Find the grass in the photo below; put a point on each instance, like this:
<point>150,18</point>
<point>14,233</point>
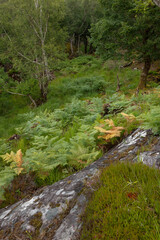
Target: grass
<point>125,206</point>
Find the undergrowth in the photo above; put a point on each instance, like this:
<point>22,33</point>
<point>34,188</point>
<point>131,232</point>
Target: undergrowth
<point>69,131</point>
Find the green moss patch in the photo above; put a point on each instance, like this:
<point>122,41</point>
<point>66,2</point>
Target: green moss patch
<point>125,206</point>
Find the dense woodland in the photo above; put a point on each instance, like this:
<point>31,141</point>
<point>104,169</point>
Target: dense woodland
<point>76,77</point>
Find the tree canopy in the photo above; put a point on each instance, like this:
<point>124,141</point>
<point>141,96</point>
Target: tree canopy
<point>128,29</point>
<point>34,38</point>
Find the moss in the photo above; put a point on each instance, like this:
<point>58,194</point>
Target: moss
<point>125,205</point>
<point>53,205</point>
<point>36,222</point>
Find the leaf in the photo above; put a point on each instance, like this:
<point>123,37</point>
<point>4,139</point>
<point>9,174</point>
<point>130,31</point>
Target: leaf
<point>109,134</point>
<point>132,195</point>
<point>129,118</point>
<point>102,130</point>
<point>15,160</point>
<point>18,159</point>
<point>110,122</point>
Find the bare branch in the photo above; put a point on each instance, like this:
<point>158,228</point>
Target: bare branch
<point>13,93</point>
<point>32,61</point>
<point>32,100</point>
<point>46,29</point>
<point>36,3</point>
<point>36,32</point>
<point>24,95</point>
<point>7,34</point>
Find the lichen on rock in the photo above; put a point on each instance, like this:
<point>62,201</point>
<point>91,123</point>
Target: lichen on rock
<point>54,212</point>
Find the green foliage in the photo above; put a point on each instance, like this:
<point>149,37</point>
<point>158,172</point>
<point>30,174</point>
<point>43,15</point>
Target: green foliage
<point>56,136</point>
<point>79,64</point>
<point>6,176</point>
<point>79,16</point>
<point>117,103</point>
<point>61,140</point>
<point>35,38</point>
<point>119,29</point>
<point>151,120</point>
<point>128,30</point>
<point>66,89</point>
<point>29,87</point>
<point>51,177</point>
<point>126,204</point>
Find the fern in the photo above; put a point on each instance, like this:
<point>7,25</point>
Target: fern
<point>4,147</point>
<point>15,161</point>
<point>152,120</point>
<point>111,133</point>
<point>6,176</point>
<point>118,103</point>
<point>81,156</point>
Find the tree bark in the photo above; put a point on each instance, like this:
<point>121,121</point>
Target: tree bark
<point>85,44</point>
<point>91,49</point>
<point>144,75</point>
<point>71,45</point>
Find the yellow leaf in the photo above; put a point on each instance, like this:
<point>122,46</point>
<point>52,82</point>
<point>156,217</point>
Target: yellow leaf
<point>18,170</point>
<point>110,122</point>
<point>109,134</point>
<point>19,158</point>
<point>102,130</point>
<point>129,118</point>
<point>15,160</point>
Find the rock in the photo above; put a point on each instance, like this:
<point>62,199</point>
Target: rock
<point>54,212</point>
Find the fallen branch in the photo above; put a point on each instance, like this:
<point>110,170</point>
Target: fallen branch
<point>126,65</point>
<point>24,95</point>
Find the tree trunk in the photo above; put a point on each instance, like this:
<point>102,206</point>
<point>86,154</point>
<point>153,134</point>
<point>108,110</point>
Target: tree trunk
<point>71,44</point>
<point>79,41</point>
<point>91,49</point>
<point>43,94</point>
<point>76,39</point>
<point>144,75</point>
<point>45,63</point>
<point>85,44</point>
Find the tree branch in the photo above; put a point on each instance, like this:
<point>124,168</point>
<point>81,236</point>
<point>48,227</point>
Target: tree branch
<point>29,59</point>
<point>24,95</point>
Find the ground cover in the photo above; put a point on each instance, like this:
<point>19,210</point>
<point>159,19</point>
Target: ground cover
<point>68,132</point>
<point>125,204</point>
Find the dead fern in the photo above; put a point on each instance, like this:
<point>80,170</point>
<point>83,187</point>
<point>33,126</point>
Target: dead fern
<point>129,117</point>
<point>109,134</point>
<point>15,160</point>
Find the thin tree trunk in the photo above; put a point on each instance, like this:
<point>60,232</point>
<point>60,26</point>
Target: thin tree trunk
<point>43,94</point>
<point>71,44</point>
<point>33,101</point>
<point>45,62</point>
<point>144,74</point>
<point>85,45</point>
<point>118,84</point>
<point>91,50</point>
<point>79,40</point>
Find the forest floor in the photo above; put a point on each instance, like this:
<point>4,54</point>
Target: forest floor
<point>83,118</point>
